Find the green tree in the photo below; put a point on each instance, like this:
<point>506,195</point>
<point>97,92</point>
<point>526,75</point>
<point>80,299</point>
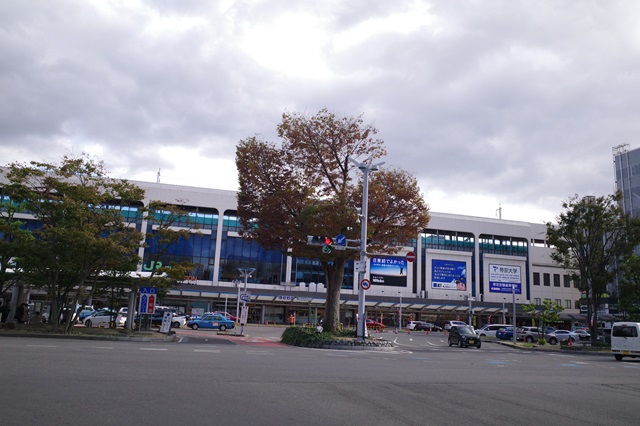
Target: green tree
<point>629,288</point>
<point>306,185</point>
<point>81,225</point>
<point>550,314</point>
<point>13,239</point>
<point>168,224</point>
<point>593,237</point>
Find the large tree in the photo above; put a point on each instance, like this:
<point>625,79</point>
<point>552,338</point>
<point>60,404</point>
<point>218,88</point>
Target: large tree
<point>629,288</point>
<point>307,185</point>
<point>593,237</point>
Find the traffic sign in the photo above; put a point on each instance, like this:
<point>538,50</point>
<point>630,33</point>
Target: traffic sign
<point>365,284</point>
<point>245,297</point>
<point>411,256</point>
<point>341,240</point>
<point>326,249</point>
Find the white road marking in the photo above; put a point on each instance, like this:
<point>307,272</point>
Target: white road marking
<point>154,349</point>
<point>211,351</point>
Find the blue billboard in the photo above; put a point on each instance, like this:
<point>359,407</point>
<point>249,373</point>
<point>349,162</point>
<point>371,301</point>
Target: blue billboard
<point>448,275</point>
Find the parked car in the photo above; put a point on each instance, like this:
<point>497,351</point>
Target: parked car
<point>449,324</point>
<point>583,334</point>
<point>227,314</point>
<point>463,336</point>
<point>211,322</point>
<point>374,324</point>
<point>532,334</point>
<point>103,317</point>
<point>413,324</point>
<point>490,330</point>
<point>625,340</point>
<point>505,333</point>
<point>561,336</point>
<point>427,326</point>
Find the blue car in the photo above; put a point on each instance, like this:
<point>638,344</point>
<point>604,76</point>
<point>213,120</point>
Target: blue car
<point>505,333</point>
<point>211,322</point>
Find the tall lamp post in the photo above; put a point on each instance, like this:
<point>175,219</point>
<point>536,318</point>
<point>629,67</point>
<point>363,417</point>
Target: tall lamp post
<point>400,322</point>
<point>513,293</point>
<point>504,299</point>
<point>366,168</point>
<point>245,273</point>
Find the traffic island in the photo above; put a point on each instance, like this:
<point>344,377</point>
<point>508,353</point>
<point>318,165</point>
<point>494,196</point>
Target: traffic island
<point>309,337</point>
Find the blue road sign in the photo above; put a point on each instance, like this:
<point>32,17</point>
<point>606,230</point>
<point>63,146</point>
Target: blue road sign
<point>341,240</point>
<point>148,290</point>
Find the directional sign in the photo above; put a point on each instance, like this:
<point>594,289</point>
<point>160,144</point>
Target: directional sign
<point>411,256</point>
<point>326,249</point>
<point>365,284</point>
<point>341,240</point>
<point>148,297</point>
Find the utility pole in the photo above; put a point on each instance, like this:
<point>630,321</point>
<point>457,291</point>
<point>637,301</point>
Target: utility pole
<point>366,168</point>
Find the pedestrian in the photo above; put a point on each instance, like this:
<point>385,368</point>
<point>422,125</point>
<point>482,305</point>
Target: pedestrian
<point>292,320</point>
<point>19,313</point>
<point>36,318</point>
<point>4,310</point>
<point>25,314</point>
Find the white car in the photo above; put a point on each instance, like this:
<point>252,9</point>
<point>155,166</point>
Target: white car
<point>448,324</point>
<point>490,330</point>
<point>102,318</point>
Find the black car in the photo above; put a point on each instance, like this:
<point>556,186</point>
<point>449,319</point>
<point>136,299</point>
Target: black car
<point>463,335</point>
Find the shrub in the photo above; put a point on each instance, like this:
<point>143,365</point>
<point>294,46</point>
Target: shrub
<point>542,341</point>
<point>308,337</point>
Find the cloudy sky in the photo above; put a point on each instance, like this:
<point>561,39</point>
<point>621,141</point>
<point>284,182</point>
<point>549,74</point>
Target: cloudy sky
<point>489,103</point>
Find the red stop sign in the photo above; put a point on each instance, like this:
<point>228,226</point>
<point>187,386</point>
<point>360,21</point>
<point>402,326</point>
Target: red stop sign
<point>411,256</point>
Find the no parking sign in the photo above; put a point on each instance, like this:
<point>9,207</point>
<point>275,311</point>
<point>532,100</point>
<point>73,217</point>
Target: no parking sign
<point>365,284</point>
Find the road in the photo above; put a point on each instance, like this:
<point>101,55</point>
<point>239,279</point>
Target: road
<point>207,379</point>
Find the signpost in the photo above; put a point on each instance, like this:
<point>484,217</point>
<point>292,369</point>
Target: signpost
<point>411,256</point>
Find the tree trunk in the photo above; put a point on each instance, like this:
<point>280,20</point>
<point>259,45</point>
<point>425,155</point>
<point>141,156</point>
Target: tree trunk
<point>334,274</point>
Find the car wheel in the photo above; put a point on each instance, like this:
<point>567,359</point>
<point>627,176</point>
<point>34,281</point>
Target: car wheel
<point>88,323</point>
<point>553,341</point>
<point>194,326</point>
<point>176,324</point>
<point>460,345</point>
<point>223,327</point>
<point>529,339</point>
<point>618,357</point>
<point>450,343</point>
<point>478,345</point>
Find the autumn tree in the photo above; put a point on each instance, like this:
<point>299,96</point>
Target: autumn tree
<point>593,237</point>
<point>306,185</point>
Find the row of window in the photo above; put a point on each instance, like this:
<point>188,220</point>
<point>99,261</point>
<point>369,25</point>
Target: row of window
<point>568,303</point>
<point>546,277</point>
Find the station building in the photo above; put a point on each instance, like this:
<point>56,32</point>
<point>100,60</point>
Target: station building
<point>463,266</point>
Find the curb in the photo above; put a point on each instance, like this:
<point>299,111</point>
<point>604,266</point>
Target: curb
<point>167,339</point>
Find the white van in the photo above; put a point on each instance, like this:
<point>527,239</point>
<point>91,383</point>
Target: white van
<point>625,339</point>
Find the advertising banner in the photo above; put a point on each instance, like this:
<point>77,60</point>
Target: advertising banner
<point>391,271</point>
<point>448,275</point>
<point>503,277</point>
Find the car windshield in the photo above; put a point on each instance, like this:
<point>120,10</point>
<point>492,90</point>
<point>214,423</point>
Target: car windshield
<point>465,329</point>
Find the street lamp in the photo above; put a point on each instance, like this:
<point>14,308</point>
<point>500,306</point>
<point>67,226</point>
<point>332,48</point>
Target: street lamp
<point>366,168</point>
<point>503,300</point>
<point>400,322</point>
<point>513,293</point>
<point>246,273</point>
